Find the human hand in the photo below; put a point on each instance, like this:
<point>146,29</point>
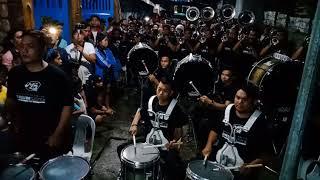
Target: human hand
<point>207,151</point>
<point>133,129</point>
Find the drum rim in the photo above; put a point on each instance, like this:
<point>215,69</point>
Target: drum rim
<point>59,157</point>
<point>139,165</point>
<point>190,174</point>
<point>264,75</point>
<point>30,168</point>
<point>140,45</point>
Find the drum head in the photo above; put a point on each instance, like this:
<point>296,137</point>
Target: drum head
<point>65,168</point>
<point>144,157</point>
<point>17,173</point>
<point>142,52</point>
<point>196,69</point>
<point>212,171</point>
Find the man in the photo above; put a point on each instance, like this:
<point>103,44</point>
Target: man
<point>39,102</point>
<point>212,106</point>
<point>243,136</point>
<point>167,131</point>
<point>84,53</point>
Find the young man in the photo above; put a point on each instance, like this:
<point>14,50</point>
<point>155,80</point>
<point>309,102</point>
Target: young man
<point>39,102</point>
<point>84,53</point>
<point>243,136</point>
<point>167,131</point>
<point>212,106</point>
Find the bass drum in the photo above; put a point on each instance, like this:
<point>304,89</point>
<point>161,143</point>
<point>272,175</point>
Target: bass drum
<point>140,54</point>
<point>196,69</point>
<point>277,81</point>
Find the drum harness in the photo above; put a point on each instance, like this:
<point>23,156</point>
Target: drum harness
<point>229,151</point>
<point>156,133</point>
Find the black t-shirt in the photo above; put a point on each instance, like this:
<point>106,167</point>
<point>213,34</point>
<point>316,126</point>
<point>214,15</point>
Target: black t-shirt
<point>176,120</point>
<point>224,93</point>
<point>40,97</point>
<point>258,141</point>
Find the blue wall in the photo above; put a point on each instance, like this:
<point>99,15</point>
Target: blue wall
<point>57,9</point>
<point>102,8</point>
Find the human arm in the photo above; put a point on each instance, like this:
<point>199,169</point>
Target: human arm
<point>212,138</point>
<point>134,125</point>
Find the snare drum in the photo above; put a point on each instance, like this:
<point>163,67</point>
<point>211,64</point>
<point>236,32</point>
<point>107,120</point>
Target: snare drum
<point>211,171</point>
<point>65,168</point>
<point>18,173</point>
<point>144,164</point>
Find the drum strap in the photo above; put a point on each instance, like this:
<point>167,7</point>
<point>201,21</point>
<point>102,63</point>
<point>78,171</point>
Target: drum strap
<point>168,111</point>
<point>252,119</point>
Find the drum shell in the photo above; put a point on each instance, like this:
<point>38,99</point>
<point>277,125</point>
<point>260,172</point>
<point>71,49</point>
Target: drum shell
<point>276,80</point>
<point>18,173</point>
<point>82,166</point>
<point>132,169</point>
<point>139,165</point>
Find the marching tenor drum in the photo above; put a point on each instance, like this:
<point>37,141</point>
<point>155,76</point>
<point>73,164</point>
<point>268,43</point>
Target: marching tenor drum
<point>140,164</point>
<point>142,58</point>
<point>65,168</point>
<point>196,170</point>
<point>196,69</point>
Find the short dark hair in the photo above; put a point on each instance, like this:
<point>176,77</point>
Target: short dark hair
<point>167,81</point>
<point>250,89</point>
<point>94,16</point>
<point>40,37</point>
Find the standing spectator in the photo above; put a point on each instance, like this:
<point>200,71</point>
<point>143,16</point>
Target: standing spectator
<point>95,27</point>
<point>39,102</point>
<point>84,53</point>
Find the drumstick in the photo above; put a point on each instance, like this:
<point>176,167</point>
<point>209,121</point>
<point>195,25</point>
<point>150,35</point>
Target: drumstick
<point>205,160</point>
<point>237,167</point>
<point>134,144</point>
<point>26,159</point>
<point>161,145</point>
<point>145,66</point>
<point>194,87</point>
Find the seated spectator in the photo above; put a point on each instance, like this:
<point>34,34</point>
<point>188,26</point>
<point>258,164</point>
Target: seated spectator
<point>96,100</point>
<point>11,56</point>
<point>53,57</point>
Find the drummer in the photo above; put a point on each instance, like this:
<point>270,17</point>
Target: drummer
<point>213,105</point>
<point>164,69</point>
<point>170,130</point>
<point>247,143</point>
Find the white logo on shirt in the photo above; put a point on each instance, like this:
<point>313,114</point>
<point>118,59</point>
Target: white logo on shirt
<point>33,86</point>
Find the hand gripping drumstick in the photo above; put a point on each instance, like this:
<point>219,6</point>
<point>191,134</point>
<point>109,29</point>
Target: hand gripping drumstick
<point>26,159</point>
<point>194,87</point>
<point>145,66</point>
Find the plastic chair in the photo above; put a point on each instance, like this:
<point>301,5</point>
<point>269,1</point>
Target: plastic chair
<point>81,144</point>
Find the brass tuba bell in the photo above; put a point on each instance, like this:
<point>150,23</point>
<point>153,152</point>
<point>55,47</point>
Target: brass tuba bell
<point>192,13</point>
